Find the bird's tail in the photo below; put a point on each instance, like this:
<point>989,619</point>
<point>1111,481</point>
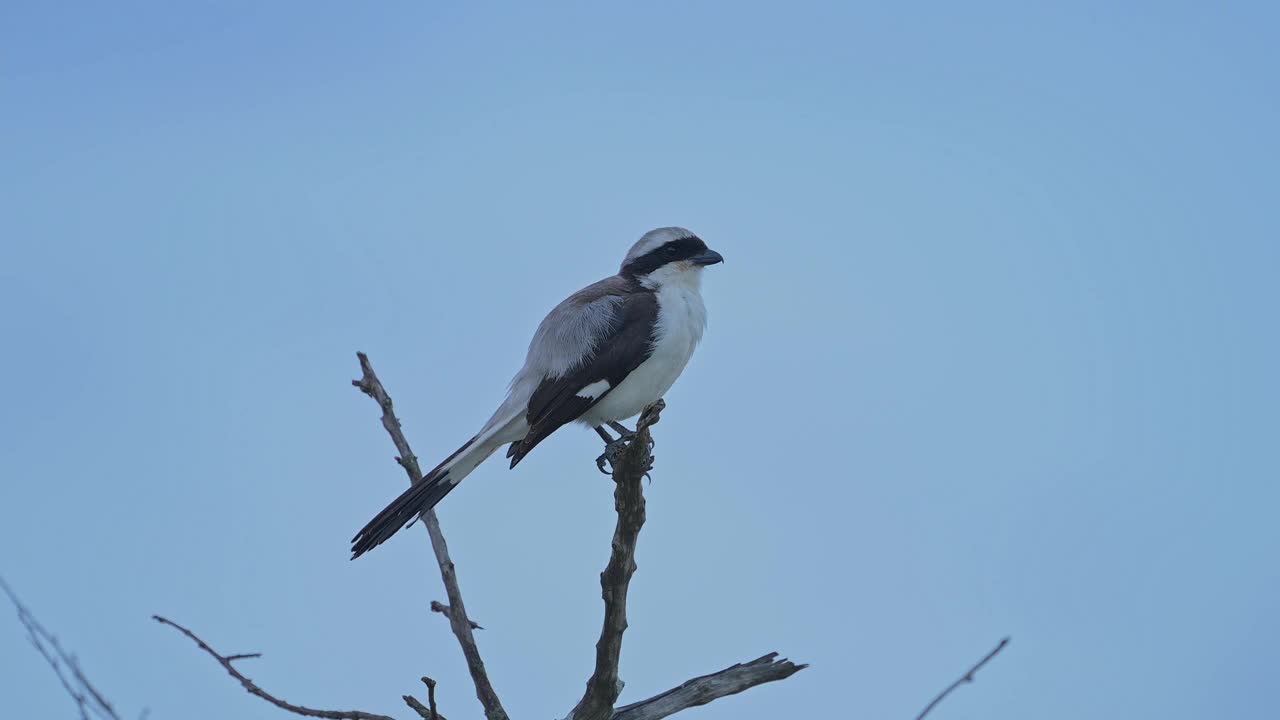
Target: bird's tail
<point>424,495</point>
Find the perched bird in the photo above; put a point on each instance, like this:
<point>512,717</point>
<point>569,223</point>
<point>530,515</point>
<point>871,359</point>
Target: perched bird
<point>600,356</point>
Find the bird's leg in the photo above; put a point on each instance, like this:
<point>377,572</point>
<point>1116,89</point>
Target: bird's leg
<point>614,448</point>
<point>621,429</point>
<point>625,433</point>
<point>609,442</point>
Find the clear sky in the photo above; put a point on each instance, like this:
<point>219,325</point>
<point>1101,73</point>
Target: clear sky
<point>993,352</point>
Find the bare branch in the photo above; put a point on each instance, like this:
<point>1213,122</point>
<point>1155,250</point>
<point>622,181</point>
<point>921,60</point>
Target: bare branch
<point>426,713</point>
<point>439,607</point>
<point>65,666</point>
<point>226,662</point>
<point>423,711</point>
<point>79,696</point>
<point>966,678</point>
<point>458,620</point>
<point>431,696</point>
<point>603,687</point>
<point>702,690</point>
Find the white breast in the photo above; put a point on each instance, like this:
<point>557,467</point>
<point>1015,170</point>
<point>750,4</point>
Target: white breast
<point>681,319</point>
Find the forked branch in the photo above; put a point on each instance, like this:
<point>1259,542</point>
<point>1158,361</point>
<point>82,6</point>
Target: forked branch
<point>457,611</point>
<point>604,686</point>
<point>428,711</point>
<point>87,698</point>
<point>631,465</point>
<point>629,469</point>
<point>228,663</point>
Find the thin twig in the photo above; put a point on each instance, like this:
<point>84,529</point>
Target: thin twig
<point>77,695</point>
<point>226,662</point>
<point>702,690</point>
<point>426,713</point>
<point>603,687</point>
<point>458,620</point>
<point>65,665</point>
<point>966,678</point>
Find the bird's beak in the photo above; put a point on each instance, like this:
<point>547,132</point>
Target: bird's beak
<point>709,257</point>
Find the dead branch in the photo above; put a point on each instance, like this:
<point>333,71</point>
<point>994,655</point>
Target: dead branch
<point>702,690</point>
<point>458,620</point>
<point>603,687</point>
<point>427,712</point>
<point>226,661</point>
<point>423,711</point>
<point>966,678</point>
<point>431,696</point>
<point>65,665</point>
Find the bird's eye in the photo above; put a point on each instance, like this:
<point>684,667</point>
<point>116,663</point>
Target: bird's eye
<point>671,251</point>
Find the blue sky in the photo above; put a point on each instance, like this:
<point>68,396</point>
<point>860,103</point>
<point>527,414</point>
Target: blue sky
<point>993,351</point>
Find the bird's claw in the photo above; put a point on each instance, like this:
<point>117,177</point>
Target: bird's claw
<point>612,454</point>
<point>613,449</point>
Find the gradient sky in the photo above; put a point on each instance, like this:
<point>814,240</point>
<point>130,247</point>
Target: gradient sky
<point>993,353</point>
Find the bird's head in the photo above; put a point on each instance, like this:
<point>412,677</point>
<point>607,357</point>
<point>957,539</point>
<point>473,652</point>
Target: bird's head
<point>668,255</point>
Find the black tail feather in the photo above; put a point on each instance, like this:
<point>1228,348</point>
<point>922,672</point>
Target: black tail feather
<point>412,502</point>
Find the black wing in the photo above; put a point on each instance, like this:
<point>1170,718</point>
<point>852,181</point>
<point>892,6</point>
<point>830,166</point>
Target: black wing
<point>622,347</point>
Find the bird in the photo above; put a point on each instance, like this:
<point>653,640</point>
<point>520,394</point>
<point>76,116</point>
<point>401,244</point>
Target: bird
<point>599,357</point>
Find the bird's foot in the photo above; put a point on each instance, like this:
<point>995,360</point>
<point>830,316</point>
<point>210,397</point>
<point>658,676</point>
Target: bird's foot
<point>613,451</point>
<point>613,447</point>
<point>611,455</point>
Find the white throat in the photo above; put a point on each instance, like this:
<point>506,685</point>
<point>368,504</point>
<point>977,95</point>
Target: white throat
<point>681,274</point>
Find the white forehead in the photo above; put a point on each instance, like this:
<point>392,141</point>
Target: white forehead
<point>655,239</point>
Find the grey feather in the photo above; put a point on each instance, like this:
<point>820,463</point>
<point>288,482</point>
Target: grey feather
<point>570,332</point>
<point>564,339</point>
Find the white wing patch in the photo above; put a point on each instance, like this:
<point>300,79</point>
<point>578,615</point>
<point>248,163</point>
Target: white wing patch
<point>594,390</point>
